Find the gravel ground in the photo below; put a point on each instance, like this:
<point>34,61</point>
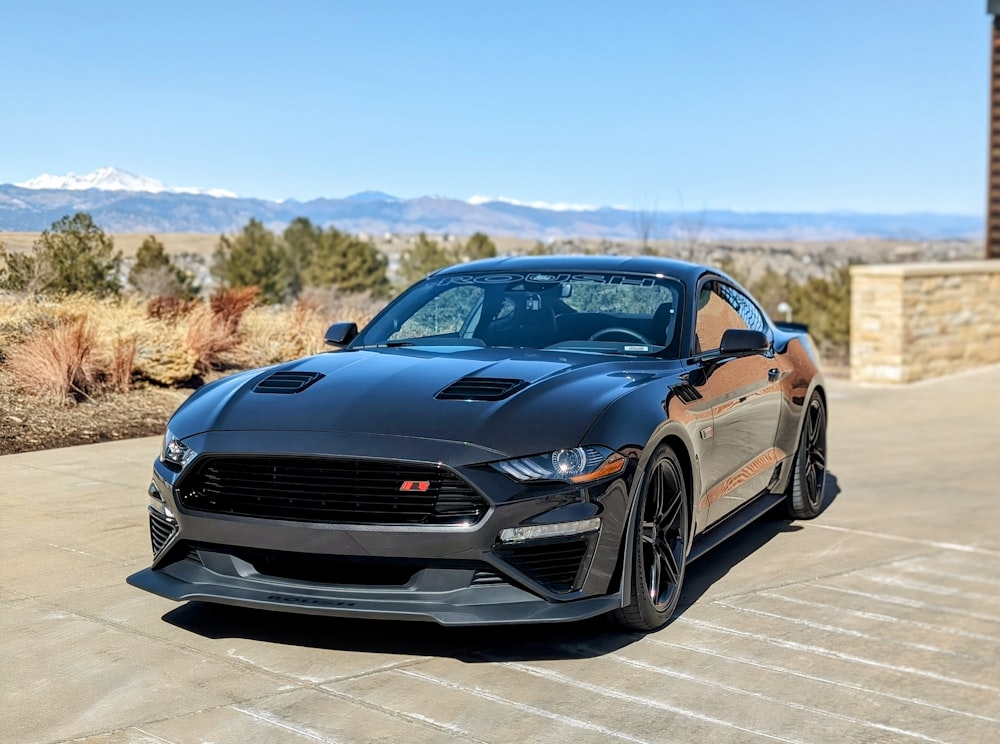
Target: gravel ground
<point>28,424</point>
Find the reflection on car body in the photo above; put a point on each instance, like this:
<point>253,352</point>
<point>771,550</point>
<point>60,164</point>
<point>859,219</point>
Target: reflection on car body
<point>511,440</point>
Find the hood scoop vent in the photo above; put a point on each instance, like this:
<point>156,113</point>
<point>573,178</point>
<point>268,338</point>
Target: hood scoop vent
<point>287,382</point>
<point>480,388</point>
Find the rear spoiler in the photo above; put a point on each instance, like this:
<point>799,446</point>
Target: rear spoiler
<point>791,327</point>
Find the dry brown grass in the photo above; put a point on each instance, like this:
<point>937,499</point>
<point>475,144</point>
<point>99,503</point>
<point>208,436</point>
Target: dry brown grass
<point>336,306</point>
<point>280,335</point>
<point>57,362</point>
<point>119,366</point>
<point>229,305</point>
<point>201,244</point>
<point>169,308</point>
<point>210,338</point>
<point>129,341</point>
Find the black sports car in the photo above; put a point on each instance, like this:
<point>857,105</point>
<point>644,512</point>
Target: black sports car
<point>511,440</point>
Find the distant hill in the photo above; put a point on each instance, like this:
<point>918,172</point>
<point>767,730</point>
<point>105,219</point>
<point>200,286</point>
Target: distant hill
<point>122,202</point>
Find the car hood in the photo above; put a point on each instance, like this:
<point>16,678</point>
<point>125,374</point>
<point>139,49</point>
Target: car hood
<point>392,393</point>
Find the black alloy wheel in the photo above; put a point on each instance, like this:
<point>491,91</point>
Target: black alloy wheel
<point>808,485</point>
<point>660,550</point>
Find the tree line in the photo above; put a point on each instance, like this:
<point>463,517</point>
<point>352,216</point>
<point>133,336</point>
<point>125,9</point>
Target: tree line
<point>76,256</point>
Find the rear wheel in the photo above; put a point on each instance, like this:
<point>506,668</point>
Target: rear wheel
<point>660,546</point>
<point>805,492</point>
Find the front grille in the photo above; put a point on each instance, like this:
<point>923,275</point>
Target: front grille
<point>554,564</point>
<point>160,531</point>
<point>336,491</point>
<point>480,388</point>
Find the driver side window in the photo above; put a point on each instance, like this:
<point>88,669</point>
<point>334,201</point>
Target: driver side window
<point>721,307</point>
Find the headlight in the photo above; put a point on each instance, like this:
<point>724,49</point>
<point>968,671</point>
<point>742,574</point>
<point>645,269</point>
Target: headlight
<point>576,465</point>
<point>175,452</point>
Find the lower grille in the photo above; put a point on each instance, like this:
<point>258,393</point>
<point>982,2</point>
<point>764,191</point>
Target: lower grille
<point>554,564</point>
<point>323,569</point>
<point>486,577</point>
<point>332,490</point>
<point>160,531</point>
<point>340,570</point>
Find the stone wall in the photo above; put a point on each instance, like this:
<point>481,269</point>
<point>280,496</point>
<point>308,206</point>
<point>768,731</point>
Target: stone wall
<point>914,321</point>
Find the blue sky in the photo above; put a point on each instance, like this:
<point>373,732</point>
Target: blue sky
<point>868,105</point>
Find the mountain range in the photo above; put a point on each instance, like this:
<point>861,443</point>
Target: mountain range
<point>123,202</point>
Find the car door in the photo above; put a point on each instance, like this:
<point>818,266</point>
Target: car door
<point>744,396</point>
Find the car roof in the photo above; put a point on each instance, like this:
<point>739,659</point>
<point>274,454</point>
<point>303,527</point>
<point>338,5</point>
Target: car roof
<point>683,270</point>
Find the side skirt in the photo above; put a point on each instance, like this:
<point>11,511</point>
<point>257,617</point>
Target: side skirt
<point>733,523</point>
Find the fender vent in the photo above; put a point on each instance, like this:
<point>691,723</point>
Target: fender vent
<point>480,388</point>
<point>686,392</point>
<point>287,382</point>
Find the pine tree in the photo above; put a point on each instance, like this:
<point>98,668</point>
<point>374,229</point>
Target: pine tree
<point>349,264</point>
<point>477,247</point>
<point>74,255</point>
<point>254,258</point>
<point>154,274</point>
<point>424,257</point>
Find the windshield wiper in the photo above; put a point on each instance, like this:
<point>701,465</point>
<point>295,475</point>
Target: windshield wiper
<point>386,345</point>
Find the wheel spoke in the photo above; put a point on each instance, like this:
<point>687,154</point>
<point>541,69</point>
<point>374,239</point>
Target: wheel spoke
<point>654,504</point>
<point>811,484</point>
<point>818,456</point>
<point>670,565</point>
<point>671,514</point>
<point>648,533</point>
<point>654,577</point>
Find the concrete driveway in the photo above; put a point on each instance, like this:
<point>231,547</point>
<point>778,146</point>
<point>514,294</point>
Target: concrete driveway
<point>877,622</point>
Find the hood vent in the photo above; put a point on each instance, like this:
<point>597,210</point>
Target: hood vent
<point>480,388</point>
<point>287,382</point>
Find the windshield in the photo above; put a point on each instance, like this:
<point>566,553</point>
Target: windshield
<point>596,312</point>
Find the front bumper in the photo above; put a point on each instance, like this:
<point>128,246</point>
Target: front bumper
<point>454,575</point>
<point>468,605</point>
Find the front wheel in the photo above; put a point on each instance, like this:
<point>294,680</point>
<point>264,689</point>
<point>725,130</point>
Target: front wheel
<point>660,546</point>
<point>805,492</point>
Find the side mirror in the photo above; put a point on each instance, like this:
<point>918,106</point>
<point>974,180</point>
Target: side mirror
<point>737,342</point>
<point>340,334</point>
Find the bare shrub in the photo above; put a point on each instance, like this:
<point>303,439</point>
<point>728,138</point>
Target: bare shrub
<point>168,360</point>
<point>210,337</point>
<point>58,362</point>
<point>21,320</point>
<point>163,307</point>
<point>273,335</point>
<point>118,370</point>
<point>359,307</point>
<point>229,305</point>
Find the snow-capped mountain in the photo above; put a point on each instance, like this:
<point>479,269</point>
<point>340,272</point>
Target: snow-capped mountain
<point>110,178</point>
<point>124,202</point>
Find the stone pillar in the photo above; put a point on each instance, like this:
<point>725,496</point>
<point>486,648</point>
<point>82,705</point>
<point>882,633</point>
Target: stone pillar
<point>914,321</point>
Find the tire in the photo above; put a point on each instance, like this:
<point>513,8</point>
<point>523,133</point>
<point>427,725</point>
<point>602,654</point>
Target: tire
<point>804,499</point>
<point>661,532</point>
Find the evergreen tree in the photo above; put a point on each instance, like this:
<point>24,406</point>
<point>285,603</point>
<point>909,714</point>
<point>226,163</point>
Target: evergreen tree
<point>74,255</point>
<point>254,258</point>
<point>476,247</point>
<point>303,239</point>
<point>825,306</point>
<point>350,264</point>
<point>424,257</point>
<point>155,275</point>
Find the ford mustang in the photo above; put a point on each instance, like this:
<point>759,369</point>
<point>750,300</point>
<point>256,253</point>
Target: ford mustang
<point>523,439</point>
